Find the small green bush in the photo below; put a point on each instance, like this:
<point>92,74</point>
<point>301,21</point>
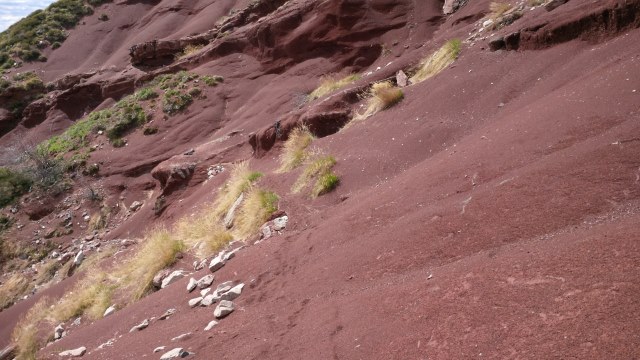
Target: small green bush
<point>12,185</point>
<point>174,101</point>
<point>210,80</point>
<point>146,93</point>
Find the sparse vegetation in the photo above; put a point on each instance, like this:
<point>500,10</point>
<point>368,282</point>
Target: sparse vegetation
<point>190,49</point>
<point>211,80</point>
<point>12,289</point>
<point>24,40</point>
<point>503,14</point>
<point>175,101</point>
<point>26,333</point>
<point>100,219</point>
<point>255,211</point>
<point>320,170</point>
<point>204,232</point>
<point>438,61</point>
<point>12,185</point>
<point>498,9</point>
<point>331,83</point>
<point>295,149</point>
<point>239,181</point>
<point>383,95</point>
<point>146,93</point>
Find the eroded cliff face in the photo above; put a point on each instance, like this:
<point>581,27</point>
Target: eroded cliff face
<point>426,173</point>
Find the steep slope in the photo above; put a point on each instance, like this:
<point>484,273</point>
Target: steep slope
<point>490,213</point>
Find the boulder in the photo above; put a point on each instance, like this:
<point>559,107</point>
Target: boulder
<point>224,287</point>
<point>280,223</point>
<point>204,292</point>
<point>192,285</point>
<point>74,353</point>
<point>171,278</point>
<point>401,78</point>
<point>77,260</point>
<point>143,325</point>
<point>217,262</point>
<point>195,301</point>
<point>209,299</point>
<point>233,293</point>
<point>176,353</point>
<point>223,309</point>
<point>210,325</point>
<point>205,281</point>
<point>161,275</point>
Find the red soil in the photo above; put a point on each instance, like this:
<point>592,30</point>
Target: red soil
<point>491,214</point>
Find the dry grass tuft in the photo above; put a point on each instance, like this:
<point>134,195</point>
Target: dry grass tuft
<point>331,83</point>
<point>91,297</point>
<point>203,231</point>
<point>498,9</point>
<point>319,169</point>
<point>383,96</point>
<point>159,251</point>
<point>12,289</point>
<point>437,62</point>
<point>294,152</point>
<point>239,181</point>
<point>26,333</point>
<point>255,211</point>
<point>100,220</point>
<point>190,49</point>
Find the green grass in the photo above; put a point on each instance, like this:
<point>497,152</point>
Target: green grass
<point>210,80</point>
<point>175,101</point>
<point>321,171</point>
<point>255,210</point>
<point>12,185</point>
<point>325,183</point>
<point>24,40</point>
<point>146,93</point>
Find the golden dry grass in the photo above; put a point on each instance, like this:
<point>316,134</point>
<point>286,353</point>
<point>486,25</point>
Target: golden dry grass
<point>100,219</point>
<point>255,211</point>
<point>26,335</point>
<point>204,232</point>
<point>319,169</point>
<point>12,289</point>
<point>383,95</point>
<point>90,297</point>
<point>325,183</point>
<point>239,181</point>
<point>190,49</point>
<point>294,152</point>
<point>331,83</point>
<point>437,62</point>
<point>498,9</point>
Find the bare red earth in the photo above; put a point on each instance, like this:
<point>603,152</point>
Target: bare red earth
<point>493,213</point>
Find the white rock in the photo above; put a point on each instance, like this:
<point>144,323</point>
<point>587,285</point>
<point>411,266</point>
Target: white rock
<point>142,325</point>
<point>135,206</point>
<point>58,333</point>
<point>110,310</point>
<point>223,309</point>
<point>231,254</point>
<point>266,232</point>
<point>159,348</point>
<point>229,217</point>
<point>86,218</point>
<point>205,281</point>
<point>173,277</point>
<point>280,223</point>
<point>174,354</point>
<point>192,284</point>
<point>195,301</point>
<point>224,287</point>
<point>209,299</point>
<point>78,259</point>
<point>180,337</point>
<point>204,292</point>
<point>233,293</point>
<point>210,325</point>
<point>217,262</point>
<point>74,353</point>
<point>167,313</point>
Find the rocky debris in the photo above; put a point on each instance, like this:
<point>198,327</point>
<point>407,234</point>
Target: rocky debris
<point>233,293</point>
<point>125,243</point>
<point>217,262</point>
<point>209,299</point>
<point>195,301</point>
<point>64,258</point>
<point>223,309</point>
<point>212,171</point>
<point>109,342</point>
<point>224,287</point>
<point>230,216</point>
<point>265,232</point>
<point>181,337</point>
<point>171,278</point>
<point>231,254</point>
<point>210,325</point>
<point>58,332</point>
<point>192,285</point>
<point>74,353</point>
<point>167,314</point>
<point>143,325</point>
<point>276,225</point>
<point>280,223</point>
<point>205,281</point>
<point>401,78</point>
<point>159,277</point>
<point>451,6</point>
<point>159,348</point>
<point>171,175</point>
<point>199,265</point>
<point>175,354</point>
<point>204,292</point>
<point>135,206</point>
<point>110,310</point>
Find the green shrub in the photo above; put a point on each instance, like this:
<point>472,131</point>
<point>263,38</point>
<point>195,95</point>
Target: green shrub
<point>175,101</point>
<point>146,93</point>
<point>128,116</point>
<point>12,186</point>
<point>210,80</point>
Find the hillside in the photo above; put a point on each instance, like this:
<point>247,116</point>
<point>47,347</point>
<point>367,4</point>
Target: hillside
<point>377,179</point>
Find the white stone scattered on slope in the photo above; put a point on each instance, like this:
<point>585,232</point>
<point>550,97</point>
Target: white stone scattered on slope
<point>174,354</point>
<point>217,262</point>
<point>230,216</point>
<point>223,309</point>
<point>173,277</point>
<point>167,313</point>
<point>204,292</point>
<point>233,293</point>
<point>192,284</point>
<point>280,223</point>
<point>58,332</point>
<point>78,259</point>
<point>110,310</point>
<point>140,326</point>
<point>195,301</point>
<point>224,287</point>
<point>74,353</point>
<point>205,281</point>
<point>181,337</point>
<point>210,325</point>
<point>159,348</point>
<point>209,299</point>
